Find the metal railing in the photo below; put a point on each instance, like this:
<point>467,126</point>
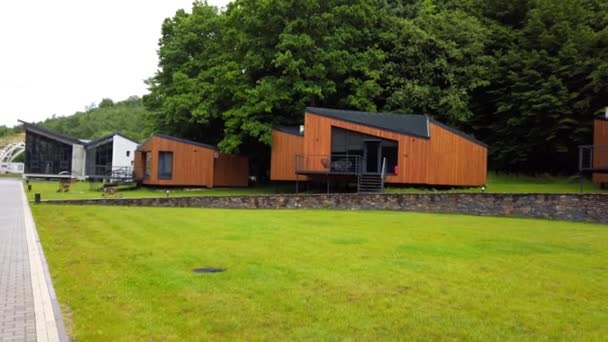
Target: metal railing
<point>593,158</point>
<point>329,164</point>
<point>383,173</point>
<point>112,172</point>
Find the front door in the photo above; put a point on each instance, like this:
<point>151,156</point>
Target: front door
<point>371,156</point>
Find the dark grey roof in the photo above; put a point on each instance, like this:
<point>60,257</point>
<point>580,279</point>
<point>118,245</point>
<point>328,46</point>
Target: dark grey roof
<point>601,117</point>
<point>409,124</point>
<point>107,138</point>
<point>181,140</point>
<point>51,134</point>
<point>294,130</point>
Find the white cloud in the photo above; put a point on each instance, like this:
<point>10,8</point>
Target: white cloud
<point>56,57</point>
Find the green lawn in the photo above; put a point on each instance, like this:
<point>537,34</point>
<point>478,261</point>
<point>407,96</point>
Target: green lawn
<point>80,190</point>
<point>501,183</point>
<point>125,274</point>
<point>496,183</point>
<point>11,175</point>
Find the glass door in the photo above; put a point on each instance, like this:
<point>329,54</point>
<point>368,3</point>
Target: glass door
<point>371,156</point>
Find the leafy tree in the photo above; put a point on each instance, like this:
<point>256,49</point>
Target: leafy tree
<point>435,62</point>
<point>260,63</point>
<point>8,131</point>
<point>547,85</point>
<point>127,117</point>
<point>106,103</point>
<point>524,75</point>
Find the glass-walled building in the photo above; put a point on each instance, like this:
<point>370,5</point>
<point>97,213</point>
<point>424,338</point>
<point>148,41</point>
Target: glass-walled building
<point>51,154</point>
<point>46,156</point>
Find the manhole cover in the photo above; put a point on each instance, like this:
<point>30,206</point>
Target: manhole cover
<point>208,270</point>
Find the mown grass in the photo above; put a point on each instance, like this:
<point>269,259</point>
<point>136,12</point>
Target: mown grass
<point>126,274</point>
<point>84,190</point>
<point>10,175</point>
<point>509,183</point>
<point>496,184</point>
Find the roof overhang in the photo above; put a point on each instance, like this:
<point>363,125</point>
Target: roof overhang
<point>50,134</point>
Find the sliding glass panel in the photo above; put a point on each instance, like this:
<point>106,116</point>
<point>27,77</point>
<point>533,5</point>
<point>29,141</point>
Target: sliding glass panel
<point>165,165</point>
<point>46,156</point>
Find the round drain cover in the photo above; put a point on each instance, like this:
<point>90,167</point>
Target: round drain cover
<point>208,270</point>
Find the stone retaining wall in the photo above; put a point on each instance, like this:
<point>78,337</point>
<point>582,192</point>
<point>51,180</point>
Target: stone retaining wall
<point>573,207</point>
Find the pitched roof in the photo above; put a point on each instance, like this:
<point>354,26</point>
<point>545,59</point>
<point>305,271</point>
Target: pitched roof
<point>601,116</point>
<point>181,140</point>
<point>51,134</point>
<point>294,130</point>
<point>107,138</point>
<point>408,124</point>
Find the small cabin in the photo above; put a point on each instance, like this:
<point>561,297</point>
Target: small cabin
<point>401,148</point>
<point>112,154</point>
<point>164,160</point>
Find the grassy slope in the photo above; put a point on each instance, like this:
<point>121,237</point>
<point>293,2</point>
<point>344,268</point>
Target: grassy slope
<point>48,190</point>
<point>519,184</point>
<point>495,184</point>
<point>125,274</point>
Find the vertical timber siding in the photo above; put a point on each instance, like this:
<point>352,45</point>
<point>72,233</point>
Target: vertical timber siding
<point>445,159</point>
<point>285,147</point>
<point>192,164</point>
<point>230,170</point>
<point>600,137</point>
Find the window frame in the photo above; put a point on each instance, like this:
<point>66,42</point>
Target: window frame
<point>168,175</point>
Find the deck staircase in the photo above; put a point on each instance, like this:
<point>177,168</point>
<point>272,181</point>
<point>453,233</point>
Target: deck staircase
<point>371,182</point>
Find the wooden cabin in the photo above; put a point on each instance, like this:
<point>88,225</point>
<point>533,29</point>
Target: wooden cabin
<point>600,149</point>
<point>406,149</point>
<point>163,160</point>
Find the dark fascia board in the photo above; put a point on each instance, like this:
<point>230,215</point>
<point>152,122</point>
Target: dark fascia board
<point>107,138</point>
<point>180,140</point>
<point>313,111</point>
<point>601,117</point>
<point>293,130</point>
<point>459,133</point>
<point>51,134</point>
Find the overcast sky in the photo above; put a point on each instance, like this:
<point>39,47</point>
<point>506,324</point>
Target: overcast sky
<point>56,57</point>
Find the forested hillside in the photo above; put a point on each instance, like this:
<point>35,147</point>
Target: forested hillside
<point>128,117</point>
<point>9,131</point>
<point>525,76</point>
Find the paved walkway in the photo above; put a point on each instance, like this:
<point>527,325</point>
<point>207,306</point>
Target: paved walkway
<point>28,306</point>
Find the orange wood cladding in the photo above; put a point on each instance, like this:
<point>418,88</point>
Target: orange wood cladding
<point>193,165</point>
<point>231,170</point>
<point>444,159</point>
<point>600,137</point>
<point>285,147</point>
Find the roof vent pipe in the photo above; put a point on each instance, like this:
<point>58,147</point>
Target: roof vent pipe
<point>302,126</point>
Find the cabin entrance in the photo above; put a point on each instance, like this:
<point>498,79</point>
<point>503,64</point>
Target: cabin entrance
<point>371,155</point>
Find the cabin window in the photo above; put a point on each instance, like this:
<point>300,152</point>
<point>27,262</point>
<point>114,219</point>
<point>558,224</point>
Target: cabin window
<point>165,165</point>
<point>128,153</point>
<point>147,164</point>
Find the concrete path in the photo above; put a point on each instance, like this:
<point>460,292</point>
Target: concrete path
<point>29,310</point>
